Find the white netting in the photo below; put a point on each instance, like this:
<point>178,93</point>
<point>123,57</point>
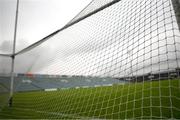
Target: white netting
<point>120,63</point>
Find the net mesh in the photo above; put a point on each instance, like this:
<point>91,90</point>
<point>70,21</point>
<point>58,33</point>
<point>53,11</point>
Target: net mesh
<point>91,7</point>
<point>4,80</point>
<point>120,63</point>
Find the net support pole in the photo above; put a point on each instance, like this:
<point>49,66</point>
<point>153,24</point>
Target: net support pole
<point>13,57</point>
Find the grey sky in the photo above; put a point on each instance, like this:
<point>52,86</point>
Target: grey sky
<point>37,18</point>
<point>113,42</point>
<point>99,45</point>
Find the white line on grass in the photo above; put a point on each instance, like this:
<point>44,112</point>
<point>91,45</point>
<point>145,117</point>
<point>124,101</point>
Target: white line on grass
<point>57,114</point>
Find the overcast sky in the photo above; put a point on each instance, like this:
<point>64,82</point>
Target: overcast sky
<point>36,19</point>
<point>130,37</point>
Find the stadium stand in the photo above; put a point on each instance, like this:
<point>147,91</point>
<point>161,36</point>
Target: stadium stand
<point>42,82</point>
<point>4,84</point>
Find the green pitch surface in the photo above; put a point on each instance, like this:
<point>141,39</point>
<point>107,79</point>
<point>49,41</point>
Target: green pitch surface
<point>4,94</point>
<point>159,99</point>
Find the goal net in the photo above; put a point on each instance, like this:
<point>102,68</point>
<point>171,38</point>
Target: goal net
<point>117,59</point>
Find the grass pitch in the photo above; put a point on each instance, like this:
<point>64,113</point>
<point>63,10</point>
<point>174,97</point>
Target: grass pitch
<point>158,99</point>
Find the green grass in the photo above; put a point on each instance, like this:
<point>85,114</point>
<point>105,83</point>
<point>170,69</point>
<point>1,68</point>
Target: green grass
<point>3,96</point>
<point>3,99</point>
<point>160,99</point>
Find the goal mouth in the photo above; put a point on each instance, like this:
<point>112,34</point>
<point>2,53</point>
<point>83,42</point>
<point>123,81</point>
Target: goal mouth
<point>117,59</point>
